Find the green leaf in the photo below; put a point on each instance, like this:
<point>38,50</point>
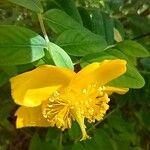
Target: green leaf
<point>145,63</point>
<point>52,134</point>
<point>6,73</point>
<point>131,79</point>
<point>80,42</point>
<point>74,132</point>
<point>107,54</point>
<point>34,5</point>
<point>117,122</point>
<point>103,140</point>
<point>3,78</point>
<point>91,144</point>
<point>6,108</point>
<point>75,39</point>
<point>132,48</point>
<point>49,145</point>
<point>78,146</point>
<point>35,143</point>
<point>70,8</point>
<point>142,23</point>
<point>59,56</point>
<point>103,25</point>
<point>99,141</point>
<point>86,19</point>
<point>19,45</point>
<point>59,21</point>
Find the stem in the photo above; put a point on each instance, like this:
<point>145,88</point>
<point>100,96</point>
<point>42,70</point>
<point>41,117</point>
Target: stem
<point>43,27</point>
<point>141,36</point>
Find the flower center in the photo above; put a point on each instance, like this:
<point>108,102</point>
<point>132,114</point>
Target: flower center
<point>57,111</point>
<point>67,105</point>
<point>94,103</point>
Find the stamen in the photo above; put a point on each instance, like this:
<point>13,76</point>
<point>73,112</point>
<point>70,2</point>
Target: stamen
<point>90,103</point>
<point>57,111</point>
<point>84,91</point>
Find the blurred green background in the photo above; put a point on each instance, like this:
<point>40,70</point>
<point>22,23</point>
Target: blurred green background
<point>126,126</point>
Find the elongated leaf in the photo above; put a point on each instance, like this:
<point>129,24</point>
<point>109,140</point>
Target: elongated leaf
<point>86,19</point>
<point>70,8</point>
<point>78,146</point>
<point>131,79</point>
<point>19,45</point>
<point>103,25</point>
<point>6,108</point>
<point>59,56</point>
<point>59,21</point>
<point>74,38</point>
<point>3,78</point>
<point>6,73</point>
<point>74,132</point>
<point>145,63</point>
<point>33,5</point>
<point>142,23</point>
<point>108,25</point>
<point>98,26</point>
<point>35,143</point>
<point>100,140</point>
<point>132,48</point>
<point>80,42</point>
<point>103,140</point>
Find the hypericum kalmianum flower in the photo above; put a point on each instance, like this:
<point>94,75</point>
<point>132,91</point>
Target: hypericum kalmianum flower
<point>54,96</point>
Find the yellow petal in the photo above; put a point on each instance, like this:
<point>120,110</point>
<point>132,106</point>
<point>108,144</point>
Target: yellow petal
<point>110,90</point>
<point>99,73</point>
<point>30,117</point>
<point>31,88</point>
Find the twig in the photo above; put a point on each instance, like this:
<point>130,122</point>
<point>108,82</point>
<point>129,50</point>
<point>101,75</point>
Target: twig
<point>141,36</point>
<point>96,124</point>
<point>40,17</point>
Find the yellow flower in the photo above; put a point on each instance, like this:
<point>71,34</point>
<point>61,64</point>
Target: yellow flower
<point>54,96</point>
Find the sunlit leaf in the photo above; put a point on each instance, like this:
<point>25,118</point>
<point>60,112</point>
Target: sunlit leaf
<point>19,45</point>
<point>81,42</point>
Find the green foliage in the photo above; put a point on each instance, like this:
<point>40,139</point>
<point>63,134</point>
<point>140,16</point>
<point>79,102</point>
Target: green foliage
<point>131,79</point>
<point>60,57</point>
<point>133,49</point>
<point>16,42</point>
<point>103,25</point>
<point>35,143</point>
<point>34,5</point>
<point>80,42</point>
<point>59,21</point>
<point>78,32</point>
<point>70,8</point>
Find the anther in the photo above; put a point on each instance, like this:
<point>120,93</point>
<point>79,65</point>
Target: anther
<point>84,91</point>
<point>56,93</point>
<point>51,99</point>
